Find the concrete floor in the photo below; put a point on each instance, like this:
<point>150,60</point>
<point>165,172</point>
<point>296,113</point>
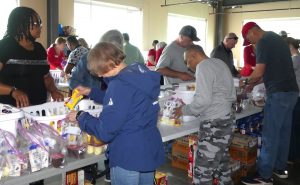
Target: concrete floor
<point>179,177</point>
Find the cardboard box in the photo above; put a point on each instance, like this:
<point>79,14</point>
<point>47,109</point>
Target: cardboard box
<point>248,168</point>
<point>179,163</point>
<point>243,141</point>
<point>72,178</point>
<point>183,141</point>
<point>244,155</point>
<point>160,178</point>
<point>180,151</point>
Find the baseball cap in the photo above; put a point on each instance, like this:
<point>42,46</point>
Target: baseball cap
<point>283,33</point>
<point>245,31</point>
<point>190,32</point>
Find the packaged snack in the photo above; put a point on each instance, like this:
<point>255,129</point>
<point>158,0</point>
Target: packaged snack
<point>57,160</point>
<point>35,157</point>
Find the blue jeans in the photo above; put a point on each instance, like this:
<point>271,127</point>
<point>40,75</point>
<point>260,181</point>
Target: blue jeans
<point>295,134</point>
<point>120,176</point>
<point>276,132</point>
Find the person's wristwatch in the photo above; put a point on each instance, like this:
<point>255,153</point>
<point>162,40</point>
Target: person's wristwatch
<point>78,114</point>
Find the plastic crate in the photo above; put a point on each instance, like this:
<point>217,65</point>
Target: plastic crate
<point>9,121</point>
<point>53,113</point>
<point>58,79</point>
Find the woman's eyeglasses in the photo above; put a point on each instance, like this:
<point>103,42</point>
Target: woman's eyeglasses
<point>38,23</point>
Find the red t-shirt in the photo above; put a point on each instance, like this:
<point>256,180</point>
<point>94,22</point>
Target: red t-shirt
<point>158,53</point>
<point>151,52</point>
<point>249,61</point>
<point>54,60</point>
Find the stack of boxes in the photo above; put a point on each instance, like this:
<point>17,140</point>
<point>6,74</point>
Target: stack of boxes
<point>244,150</point>
<point>184,152</point>
<point>180,151</point>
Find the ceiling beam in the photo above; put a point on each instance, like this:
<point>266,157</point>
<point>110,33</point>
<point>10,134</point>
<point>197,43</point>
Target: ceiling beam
<point>245,2</point>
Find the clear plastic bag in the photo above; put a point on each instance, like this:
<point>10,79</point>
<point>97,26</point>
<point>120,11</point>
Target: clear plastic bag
<point>15,161</point>
<point>77,143</point>
<point>41,141</point>
<point>168,111</point>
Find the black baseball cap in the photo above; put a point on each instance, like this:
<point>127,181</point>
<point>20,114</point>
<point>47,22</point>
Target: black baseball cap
<point>190,32</point>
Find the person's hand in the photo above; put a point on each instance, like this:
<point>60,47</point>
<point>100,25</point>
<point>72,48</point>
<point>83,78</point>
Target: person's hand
<point>21,98</point>
<point>62,74</point>
<point>186,76</point>
<point>57,96</point>
<point>83,90</point>
<point>178,112</point>
<point>72,116</point>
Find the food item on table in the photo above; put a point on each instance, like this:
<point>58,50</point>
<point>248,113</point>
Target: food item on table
<point>76,151</point>
<point>57,160</point>
<point>90,149</point>
<point>98,150</point>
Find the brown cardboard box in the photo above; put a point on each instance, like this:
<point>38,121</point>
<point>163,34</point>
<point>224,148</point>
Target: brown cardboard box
<point>248,168</point>
<point>183,140</point>
<point>244,155</point>
<point>179,163</point>
<point>243,141</point>
<point>71,178</point>
<point>180,151</point>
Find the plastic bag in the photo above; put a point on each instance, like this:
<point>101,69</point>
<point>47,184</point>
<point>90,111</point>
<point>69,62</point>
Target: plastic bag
<point>15,161</point>
<point>57,145</point>
<point>77,144</point>
<point>259,94</point>
<point>41,141</point>
<point>168,112</point>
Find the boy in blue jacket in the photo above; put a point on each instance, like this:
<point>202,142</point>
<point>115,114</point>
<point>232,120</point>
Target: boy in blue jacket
<point>128,121</point>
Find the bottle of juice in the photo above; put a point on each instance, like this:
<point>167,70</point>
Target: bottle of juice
<point>73,100</point>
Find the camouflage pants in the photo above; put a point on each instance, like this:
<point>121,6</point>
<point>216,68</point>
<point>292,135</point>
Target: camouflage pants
<point>212,158</point>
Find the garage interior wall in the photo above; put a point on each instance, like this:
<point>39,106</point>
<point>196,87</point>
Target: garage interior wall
<point>233,21</point>
<point>155,17</point>
<point>40,6</point>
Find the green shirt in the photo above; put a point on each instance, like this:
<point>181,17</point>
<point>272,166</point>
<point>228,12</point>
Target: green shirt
<point>133,54</point>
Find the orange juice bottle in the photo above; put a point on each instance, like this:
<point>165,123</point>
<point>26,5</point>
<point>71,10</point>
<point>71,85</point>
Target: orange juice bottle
<point>73,100</point>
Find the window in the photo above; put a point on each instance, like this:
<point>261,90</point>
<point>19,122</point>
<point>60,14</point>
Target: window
<point>176,22</point>
<point>290,26</point>
<point>93,18</point>
<point>6,6</point>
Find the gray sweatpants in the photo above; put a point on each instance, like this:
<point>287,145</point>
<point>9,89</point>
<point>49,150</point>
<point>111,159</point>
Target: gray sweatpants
<point>212,158</point>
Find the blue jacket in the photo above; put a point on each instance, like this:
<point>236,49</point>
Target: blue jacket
<point>82,76</point>
<point>128,121</point>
